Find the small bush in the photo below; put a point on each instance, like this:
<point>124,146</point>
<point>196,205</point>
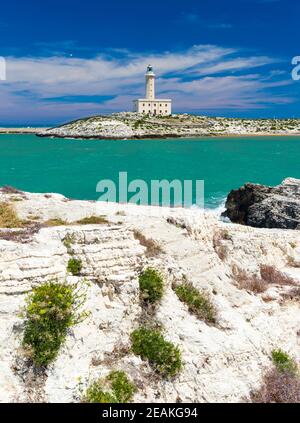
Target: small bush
<point>278,387</point>
<point>153,248</point>
<point>218,243</point>
<point>250,282</point>
<point>273,276</point>
<point>116,388</point>
<point>122,388</point>
<point>151,285</point>
<point>198,302</point>
<point>8,217</point>
<point>164,356</point>
<point>93,220</point>
<point>74,266</point>
<point>68,240</point>
<point>283,362</point>
<point>51,309</point>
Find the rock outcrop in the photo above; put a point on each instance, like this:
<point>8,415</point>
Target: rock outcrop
<point>136,126</point>
<point>266,207</point>
<point>222,363</point>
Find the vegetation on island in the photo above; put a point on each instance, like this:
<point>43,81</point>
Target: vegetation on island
<point>132,125</point>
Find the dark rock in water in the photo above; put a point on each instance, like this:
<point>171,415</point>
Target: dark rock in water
<point>266,207</point>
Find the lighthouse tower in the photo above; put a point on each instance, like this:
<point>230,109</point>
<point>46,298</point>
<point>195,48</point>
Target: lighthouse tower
<point>150,83</point>
<point>151,105</point>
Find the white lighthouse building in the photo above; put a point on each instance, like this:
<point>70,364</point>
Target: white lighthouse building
<point>151,105</point>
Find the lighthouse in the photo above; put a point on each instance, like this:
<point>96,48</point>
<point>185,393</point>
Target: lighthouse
<point>150,83</point>
<point>150,105</point>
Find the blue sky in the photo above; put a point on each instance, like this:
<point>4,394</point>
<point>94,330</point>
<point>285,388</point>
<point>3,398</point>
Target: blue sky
<point>67,59</point>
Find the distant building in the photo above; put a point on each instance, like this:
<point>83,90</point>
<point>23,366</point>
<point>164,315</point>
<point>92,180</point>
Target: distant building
<point>151,105</point>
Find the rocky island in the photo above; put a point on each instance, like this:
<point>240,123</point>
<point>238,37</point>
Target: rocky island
<point>139,126</point>
<point>223,304</point>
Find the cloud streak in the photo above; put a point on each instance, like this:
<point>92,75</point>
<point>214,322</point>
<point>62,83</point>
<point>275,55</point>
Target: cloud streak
<point>202,77</point>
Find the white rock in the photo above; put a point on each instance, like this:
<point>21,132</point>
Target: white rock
<point>222,363</point>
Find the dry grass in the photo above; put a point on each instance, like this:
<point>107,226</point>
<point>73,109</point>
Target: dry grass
<point>93,220</point>
<point>292,262</point>
<point>269,275</point>
<point>20,235</point>
<point>218,243</point>
<point>153,248</point>
<point>278,387</point>
<point>292,295</point>
<point>8,217</point>
<point>250,283</point>
<point>55,222</point>
<point>7,189</point>
<point>273,276</point>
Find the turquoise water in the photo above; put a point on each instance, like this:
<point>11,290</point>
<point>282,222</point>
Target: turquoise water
<point>73,168</point>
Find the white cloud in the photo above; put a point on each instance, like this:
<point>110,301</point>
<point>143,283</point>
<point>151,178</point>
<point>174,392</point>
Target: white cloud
<point>189,77</point>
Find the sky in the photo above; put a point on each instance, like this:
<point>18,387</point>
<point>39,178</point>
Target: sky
<point>70,59</point>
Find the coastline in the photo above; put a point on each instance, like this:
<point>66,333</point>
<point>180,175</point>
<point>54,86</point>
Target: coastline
<point>174,137</point>
<point>35,130</point>
<point>134,126</point>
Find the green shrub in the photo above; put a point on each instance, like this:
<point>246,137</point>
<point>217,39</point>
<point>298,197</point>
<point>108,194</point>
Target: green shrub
<point>51,309</point>
<point>116,388</point>
<point>197,302</point>
<point>74,266</point>
<point>283,362</point>
<point>122,388</point>
<point>164,356</point>
<point>151,285</point>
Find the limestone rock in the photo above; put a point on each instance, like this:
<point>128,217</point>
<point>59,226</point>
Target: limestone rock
<point>127,125</point>
<point>222,363</point>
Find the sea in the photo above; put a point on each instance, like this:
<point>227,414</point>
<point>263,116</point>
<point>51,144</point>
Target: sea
<point>75,167</point>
